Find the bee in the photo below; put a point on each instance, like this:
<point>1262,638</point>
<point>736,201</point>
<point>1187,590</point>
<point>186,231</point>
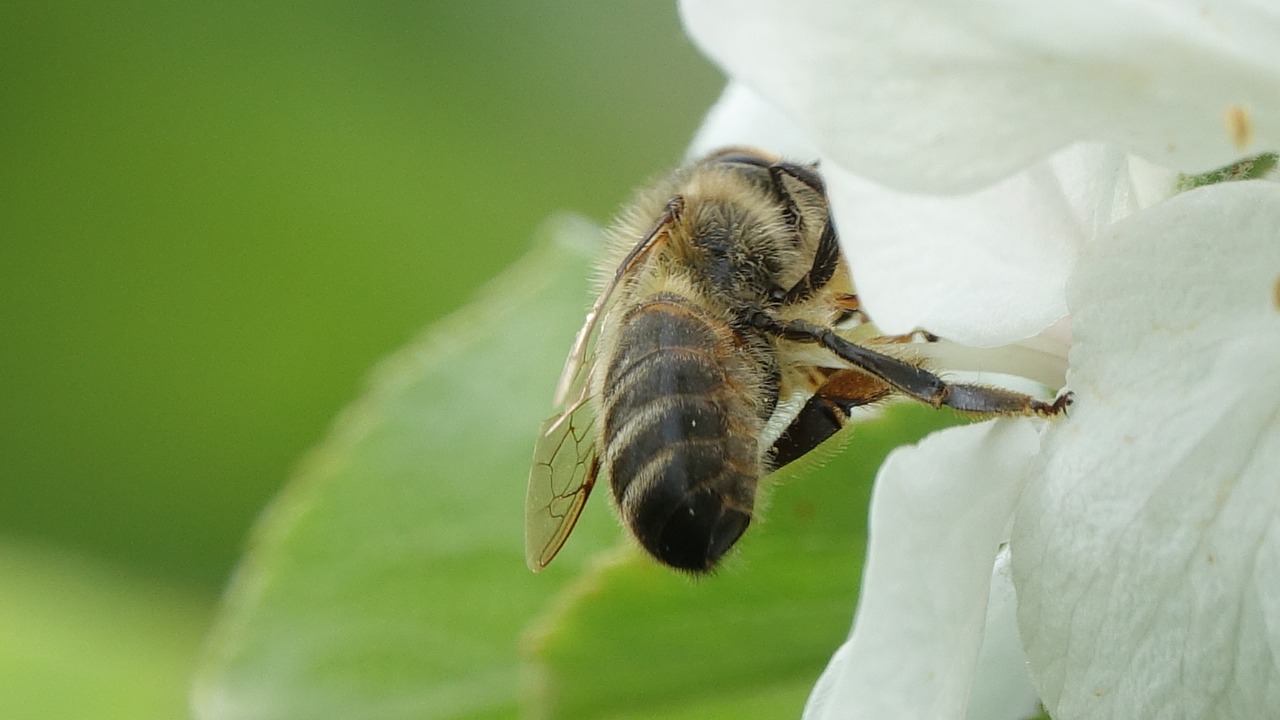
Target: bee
<point>725,305</point>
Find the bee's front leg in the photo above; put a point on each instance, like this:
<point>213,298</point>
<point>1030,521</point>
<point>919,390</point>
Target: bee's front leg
<point>913,380</point>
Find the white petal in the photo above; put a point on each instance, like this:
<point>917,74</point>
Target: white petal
<point>741,117</point>
<point>988,268</point>
<point>1002,687</point>
<point>938,516</point>
<point>1147,559</point>
<point>940,96</point>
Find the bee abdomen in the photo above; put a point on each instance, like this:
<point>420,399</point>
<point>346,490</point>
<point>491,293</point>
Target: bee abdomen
<point>682,456</point>
<point>683,440</point>
<point>667,391</point>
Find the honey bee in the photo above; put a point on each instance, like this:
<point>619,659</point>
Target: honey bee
<point>725,301</point>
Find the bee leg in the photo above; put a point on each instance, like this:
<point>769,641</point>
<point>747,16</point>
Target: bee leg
<point>923,336</point>
<point>911,380</point>
<point>827,411</point>
<point>850,308</point>
<point>849,302</point>
<point>826,258</point>
<point>784,174</point>
<point>984,400</point>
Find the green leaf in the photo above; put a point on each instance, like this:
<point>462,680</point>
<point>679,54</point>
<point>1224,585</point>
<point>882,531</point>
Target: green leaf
<point>631,639</point>
<point>388,580</point>
<point>85,640</point>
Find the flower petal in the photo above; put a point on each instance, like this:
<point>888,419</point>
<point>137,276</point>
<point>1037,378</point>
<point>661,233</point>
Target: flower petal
<point>939,96</point>
<point>1002,687</point>
<point>741,117</point>
<point>988,268</point>
<point>1147,558</point>
<point>985,269</point>
<point>938,515</point>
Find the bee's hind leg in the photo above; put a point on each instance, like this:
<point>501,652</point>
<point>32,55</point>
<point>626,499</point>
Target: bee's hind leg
<point>827,411</point>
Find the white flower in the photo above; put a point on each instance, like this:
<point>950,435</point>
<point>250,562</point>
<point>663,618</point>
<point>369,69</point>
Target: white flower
<point>1144,531</point>
<point>936,95</point>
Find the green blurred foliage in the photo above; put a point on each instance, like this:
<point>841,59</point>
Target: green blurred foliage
<point>79,640</point>
<point>388,580</point>
<point>216,217</point>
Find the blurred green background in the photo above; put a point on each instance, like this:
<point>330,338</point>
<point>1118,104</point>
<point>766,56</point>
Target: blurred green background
<point>214,219</point>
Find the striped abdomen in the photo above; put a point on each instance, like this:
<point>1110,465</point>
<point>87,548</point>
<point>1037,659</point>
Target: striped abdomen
<point>680,431</point>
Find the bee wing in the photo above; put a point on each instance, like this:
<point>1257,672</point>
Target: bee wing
<point>577,355</point>
<point>565,465</point>
<point>565,458</point>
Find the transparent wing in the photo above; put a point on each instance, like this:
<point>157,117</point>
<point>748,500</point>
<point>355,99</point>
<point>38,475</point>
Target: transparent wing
<point>565,460</point>
<point>577,355</point>
<point>565,465</point>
